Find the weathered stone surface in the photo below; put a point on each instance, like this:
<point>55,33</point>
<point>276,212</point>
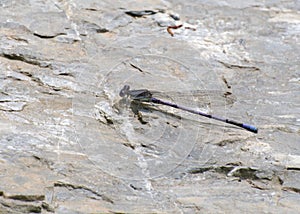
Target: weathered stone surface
<point>70,144</point>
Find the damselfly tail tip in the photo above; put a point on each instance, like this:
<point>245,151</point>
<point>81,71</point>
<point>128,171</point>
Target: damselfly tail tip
<point>250,128</point>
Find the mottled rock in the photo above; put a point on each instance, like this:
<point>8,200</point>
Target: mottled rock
<point>70,144</point>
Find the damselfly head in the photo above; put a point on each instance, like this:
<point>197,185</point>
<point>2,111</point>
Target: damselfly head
<point>124,91</point>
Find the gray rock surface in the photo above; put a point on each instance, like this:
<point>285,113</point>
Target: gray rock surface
<point>70,144</point>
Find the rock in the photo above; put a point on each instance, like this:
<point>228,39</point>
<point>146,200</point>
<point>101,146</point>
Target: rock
<point>70,144</point>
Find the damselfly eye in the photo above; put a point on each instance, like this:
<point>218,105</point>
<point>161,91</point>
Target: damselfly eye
<point>124,91</point>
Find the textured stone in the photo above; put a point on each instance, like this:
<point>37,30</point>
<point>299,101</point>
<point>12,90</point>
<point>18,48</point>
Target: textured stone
<point>70,144</point>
